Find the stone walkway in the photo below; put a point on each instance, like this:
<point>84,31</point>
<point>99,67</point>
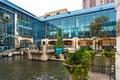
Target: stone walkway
<point>99,76</point>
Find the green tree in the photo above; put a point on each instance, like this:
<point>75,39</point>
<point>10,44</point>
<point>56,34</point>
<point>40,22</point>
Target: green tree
<point>78,63</point>
<point>59,42</point>
<point>97,29</point>
<point>92,52</point>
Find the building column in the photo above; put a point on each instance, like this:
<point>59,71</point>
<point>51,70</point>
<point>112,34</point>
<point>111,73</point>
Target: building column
<point>44,56</point>
<point>117,60</point>
<point>15,31</point>
<point>10,54</point>
<point>75,43</point>
<point>44,41</point>
<point>117,7</point>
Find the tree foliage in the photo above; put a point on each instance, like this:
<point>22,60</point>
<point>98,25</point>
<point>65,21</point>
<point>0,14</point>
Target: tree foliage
<point>79,62</point>
<point>97,27</point>
<point>108,53</point>
<point>59,42</point>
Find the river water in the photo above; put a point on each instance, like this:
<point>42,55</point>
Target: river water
<point>20,68</point>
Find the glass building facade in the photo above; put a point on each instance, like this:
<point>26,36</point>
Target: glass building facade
<point>27,28</point>
<point>24,26</point>
<point>6,28</point>
<point>76,23</point>
<point>75,27</point>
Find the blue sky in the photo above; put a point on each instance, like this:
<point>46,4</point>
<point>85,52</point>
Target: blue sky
<point>40,7</point>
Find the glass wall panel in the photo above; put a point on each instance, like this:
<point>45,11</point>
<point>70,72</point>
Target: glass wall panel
<point>6,28</point>
<point>78,25</point>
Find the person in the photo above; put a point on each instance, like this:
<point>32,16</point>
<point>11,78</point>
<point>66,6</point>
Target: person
<point>5,48</point>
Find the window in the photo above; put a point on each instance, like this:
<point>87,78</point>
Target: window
<point>47,15</point>
<point>57,13</point>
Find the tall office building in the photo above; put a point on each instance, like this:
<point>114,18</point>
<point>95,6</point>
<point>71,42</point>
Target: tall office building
<point>53,13</point>
<point>91,3</point>
<point>117,7</point>
<point>100,2</point>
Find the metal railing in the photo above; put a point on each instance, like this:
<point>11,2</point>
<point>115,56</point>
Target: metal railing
<point>110,71</point>
<point>5,48</point>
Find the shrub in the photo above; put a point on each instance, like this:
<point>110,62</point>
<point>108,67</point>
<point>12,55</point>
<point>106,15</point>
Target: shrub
<point>79,62</point>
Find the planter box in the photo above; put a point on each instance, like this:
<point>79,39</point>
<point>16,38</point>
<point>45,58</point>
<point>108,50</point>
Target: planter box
<point>70,69</point>
<point>59,50</point>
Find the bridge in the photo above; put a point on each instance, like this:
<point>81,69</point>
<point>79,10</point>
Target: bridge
<point>34,54</point>
<point>10,53</point>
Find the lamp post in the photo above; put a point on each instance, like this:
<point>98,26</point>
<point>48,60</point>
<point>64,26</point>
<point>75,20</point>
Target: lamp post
<point>75,43</point>
<point>76,24</point>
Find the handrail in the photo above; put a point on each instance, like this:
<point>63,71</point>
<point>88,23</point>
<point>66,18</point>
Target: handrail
<point>7,52</point>
<point>26,51</point>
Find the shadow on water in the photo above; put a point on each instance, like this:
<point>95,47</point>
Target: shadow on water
<point>20,68</point>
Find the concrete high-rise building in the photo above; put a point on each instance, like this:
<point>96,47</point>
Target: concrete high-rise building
<point>53,13</point>
<point>91,3</point>
<point>117,7</point>
<point>100,2</point>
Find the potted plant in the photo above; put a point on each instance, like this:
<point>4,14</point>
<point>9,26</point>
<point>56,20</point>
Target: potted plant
<point>59,47</point>
<point>78,63</point>
<point>92,52</point>
<point>108,55</point>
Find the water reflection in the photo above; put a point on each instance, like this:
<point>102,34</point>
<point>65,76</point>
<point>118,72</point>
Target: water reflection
<point>19,68</point>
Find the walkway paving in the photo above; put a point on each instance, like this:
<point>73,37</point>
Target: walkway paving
<point>99,76</point>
